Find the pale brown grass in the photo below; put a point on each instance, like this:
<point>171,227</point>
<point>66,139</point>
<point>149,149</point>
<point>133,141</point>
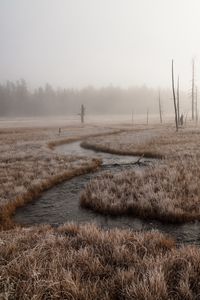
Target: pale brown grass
<point>157,142</point>
<point>28,166</point>
<point>84,262</point>
<point>169,192</point>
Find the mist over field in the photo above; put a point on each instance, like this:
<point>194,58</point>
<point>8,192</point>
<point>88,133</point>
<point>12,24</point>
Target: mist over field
<point>99,149</point>
<point>111,56</point>
<point>17,100</point>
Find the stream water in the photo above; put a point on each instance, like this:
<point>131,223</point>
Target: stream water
<point>61,203</point>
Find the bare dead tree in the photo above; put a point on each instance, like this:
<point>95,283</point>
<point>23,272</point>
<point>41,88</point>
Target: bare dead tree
<point>82,113</point>
<point>178,102</point>
<point>160,108</point>
<point>132,116</point>
<point>196,105</point>
<point>174,97</point>
<point>193,92</point>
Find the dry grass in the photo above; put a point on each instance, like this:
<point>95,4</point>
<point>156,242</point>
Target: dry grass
<point>133,142</point>
<point>84,262</point>
<point>106,149</point>
<point>169,191</point>
<point>62,141</point>
<point>28,166</point>
<point>31,190</point>
<point>157,142</point>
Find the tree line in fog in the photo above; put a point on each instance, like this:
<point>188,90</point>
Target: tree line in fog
<point>16,99</point>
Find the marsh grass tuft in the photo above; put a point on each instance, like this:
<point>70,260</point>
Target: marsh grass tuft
<point>168,191</point>
<point>28,167</point>
<point>85,262</point>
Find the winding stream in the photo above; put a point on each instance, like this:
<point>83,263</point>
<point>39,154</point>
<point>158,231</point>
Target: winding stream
<point>61,203</point>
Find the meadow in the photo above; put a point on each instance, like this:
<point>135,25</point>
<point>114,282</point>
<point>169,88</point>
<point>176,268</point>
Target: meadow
<point>168,190</point>
<point>83,261</point>
<point>28,164</point>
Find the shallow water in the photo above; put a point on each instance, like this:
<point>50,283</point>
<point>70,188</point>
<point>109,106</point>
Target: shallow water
<point>107,158</point>
<point>61,203</point>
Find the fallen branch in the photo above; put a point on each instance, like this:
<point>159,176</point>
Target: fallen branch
<point>137,162</point>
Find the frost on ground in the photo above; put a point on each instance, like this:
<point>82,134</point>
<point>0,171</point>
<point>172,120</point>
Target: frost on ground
<point>28,166</point>
<point>84,262</point>
<point>158,141</point>
<point>168,191</point>
<point>132,142</point>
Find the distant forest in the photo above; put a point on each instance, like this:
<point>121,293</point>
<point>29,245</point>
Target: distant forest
<point>17,100</point>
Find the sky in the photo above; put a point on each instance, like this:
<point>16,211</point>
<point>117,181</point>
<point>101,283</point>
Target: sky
<point>76,43</point>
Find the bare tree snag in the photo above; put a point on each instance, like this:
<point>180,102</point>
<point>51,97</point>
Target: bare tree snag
<point>193,64</point>
<point>178,102</point>
<point>160,109</point>
<point>132,116</point>
<point>196,105</point>
<point>174,96</point>
<point>82,114</point>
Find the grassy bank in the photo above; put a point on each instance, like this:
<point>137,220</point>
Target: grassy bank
<point>106,149</point>
<point>34,190</point>
<point>169,191</point>
<point>84,262</point>
<point>28,166</point>
<point>67,140</point>
<point>158,142</point>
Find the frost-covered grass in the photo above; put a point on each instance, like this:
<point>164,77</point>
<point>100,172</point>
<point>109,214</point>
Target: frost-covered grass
<point>84,262</point>
<point>28,166</point>
<point>132,142</point>
<point>159,142</point>
<point>169,191</point>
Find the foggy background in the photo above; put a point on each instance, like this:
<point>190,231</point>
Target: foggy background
<point>17,100</point>
<point>111,55</point>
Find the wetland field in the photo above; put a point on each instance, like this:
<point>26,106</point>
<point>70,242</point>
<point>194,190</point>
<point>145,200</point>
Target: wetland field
<point>99,211</point>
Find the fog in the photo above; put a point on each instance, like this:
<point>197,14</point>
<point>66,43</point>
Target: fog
<point>17,100</point>
<point>111,55</point>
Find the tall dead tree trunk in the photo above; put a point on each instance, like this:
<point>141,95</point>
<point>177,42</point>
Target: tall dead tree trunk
<point>132,116</point>
<point>147,116</point>
<point>174,97</point>
<point>82,113</point>
<point>160,109</point>
<point>178,102</point>
<point>196,105</point>
<point>193,64</point>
